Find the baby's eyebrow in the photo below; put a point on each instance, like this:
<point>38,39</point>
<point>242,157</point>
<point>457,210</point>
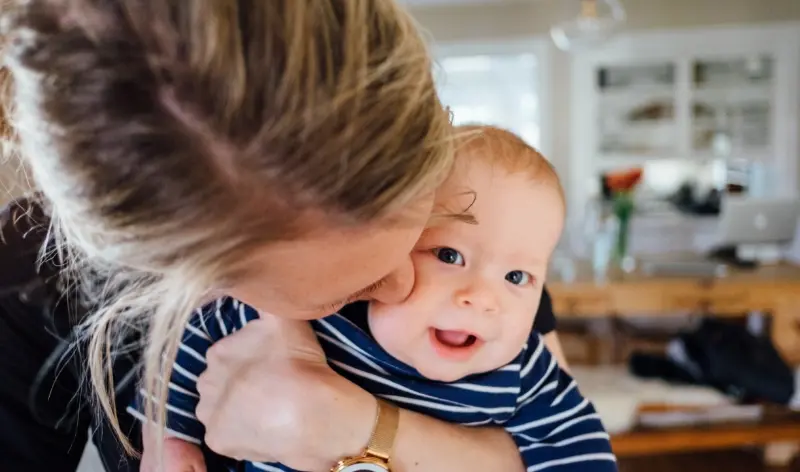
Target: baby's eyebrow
<point>465,217</point>
<point>462,217</point>
<point>445,212</point>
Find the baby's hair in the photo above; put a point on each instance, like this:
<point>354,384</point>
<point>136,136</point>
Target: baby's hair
<point>507,150</point>
<point>498,147</point>
<point>171,139</point>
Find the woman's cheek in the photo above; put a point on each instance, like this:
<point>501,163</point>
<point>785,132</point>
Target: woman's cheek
<point>427,266</point>
<point>418,259</point>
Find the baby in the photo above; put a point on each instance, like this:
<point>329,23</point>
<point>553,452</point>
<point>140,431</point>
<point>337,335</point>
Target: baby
<point>461,347</point>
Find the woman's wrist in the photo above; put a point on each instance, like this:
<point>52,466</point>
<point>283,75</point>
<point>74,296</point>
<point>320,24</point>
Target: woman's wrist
<point>422,443</point>
<point>426,444</point>
<point>353,412</point>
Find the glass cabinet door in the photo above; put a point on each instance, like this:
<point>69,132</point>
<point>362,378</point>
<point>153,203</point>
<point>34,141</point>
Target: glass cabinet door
<point>731,106</point>
<point>636,109</point>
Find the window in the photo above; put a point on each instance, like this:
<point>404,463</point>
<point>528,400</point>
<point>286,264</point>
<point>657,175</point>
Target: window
<point>500,86</point>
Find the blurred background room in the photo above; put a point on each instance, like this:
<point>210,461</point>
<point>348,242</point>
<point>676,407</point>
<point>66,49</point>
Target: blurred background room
<point>674,127</point>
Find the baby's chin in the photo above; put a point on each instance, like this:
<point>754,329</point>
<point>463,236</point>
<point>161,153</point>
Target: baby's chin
<point>445,373</point>
<point>440,370</point>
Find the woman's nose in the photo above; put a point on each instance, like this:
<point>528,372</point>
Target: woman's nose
<point>479,296</point>
<point>397,285</point>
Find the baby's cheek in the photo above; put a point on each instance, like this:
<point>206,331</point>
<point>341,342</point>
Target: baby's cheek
<point>392,328</point>
<point>515,335</point>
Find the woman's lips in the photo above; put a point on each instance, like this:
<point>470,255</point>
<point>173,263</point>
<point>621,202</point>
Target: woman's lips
<point>454,344</point>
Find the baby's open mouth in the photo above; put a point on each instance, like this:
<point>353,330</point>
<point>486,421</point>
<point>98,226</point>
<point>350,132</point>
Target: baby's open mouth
<point>454,345</point>
<point>455,338</point>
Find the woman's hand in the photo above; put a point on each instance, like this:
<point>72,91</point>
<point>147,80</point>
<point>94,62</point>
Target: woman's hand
<point>268,395</point>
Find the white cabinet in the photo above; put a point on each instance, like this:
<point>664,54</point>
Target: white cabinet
<point>732,100</point>
<point>635,109</point>
<point>693,97</point>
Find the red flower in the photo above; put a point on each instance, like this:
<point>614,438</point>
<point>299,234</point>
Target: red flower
<point>624,181</point>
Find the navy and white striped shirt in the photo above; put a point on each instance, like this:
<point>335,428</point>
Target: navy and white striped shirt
<point>555,428</point>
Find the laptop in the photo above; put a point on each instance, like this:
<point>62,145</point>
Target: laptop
<point>743,221</point>
<point>757,221</point>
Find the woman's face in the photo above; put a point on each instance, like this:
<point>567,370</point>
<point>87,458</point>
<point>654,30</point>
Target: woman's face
<point>315,276</point>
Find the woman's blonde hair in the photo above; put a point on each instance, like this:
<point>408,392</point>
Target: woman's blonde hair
<point>171,139</point>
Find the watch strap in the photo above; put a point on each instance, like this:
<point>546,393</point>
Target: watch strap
<point>381,442</point>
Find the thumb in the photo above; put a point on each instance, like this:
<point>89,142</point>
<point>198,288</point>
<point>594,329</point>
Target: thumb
<point>297,337</point>
<point>200,466</point>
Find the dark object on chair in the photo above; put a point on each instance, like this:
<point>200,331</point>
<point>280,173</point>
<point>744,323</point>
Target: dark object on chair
<point>649,365</point>
<point>686,201</point>
<point>725,356</point>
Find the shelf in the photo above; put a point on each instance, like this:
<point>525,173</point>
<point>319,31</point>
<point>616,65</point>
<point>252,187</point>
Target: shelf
<point>647,125</point>
<point>638,91</point>
<point>733,95</point>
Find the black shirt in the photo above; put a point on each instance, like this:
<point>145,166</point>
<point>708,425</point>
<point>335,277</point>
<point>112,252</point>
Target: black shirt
<point>545,321</point>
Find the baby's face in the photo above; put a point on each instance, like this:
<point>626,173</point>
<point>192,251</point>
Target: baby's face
<point>478,284</point>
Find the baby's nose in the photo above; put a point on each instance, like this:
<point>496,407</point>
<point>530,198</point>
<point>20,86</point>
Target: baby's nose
<point>479,297</point>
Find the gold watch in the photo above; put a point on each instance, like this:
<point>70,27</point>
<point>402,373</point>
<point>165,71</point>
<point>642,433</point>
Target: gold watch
<point>375,457</point>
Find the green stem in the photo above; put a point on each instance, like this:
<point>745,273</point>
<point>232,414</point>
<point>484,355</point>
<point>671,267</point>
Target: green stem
<point>623,210</point>
<point>622,237</point>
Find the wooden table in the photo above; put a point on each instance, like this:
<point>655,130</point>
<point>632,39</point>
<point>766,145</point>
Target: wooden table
<point>773,290</point>
<point>776,426</point>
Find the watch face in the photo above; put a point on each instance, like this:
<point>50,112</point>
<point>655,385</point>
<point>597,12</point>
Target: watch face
<point>365,467</point>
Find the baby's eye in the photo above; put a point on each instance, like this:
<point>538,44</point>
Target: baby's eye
<point>519,277</point>
<point>449,255</point>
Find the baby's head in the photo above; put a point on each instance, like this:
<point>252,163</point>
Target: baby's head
<point>481,266</point>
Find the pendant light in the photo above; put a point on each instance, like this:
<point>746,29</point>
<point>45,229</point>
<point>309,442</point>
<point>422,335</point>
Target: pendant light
<point>598,20</point>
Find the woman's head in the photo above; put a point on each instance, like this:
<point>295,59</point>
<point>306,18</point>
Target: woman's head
<point>193,147</point>
<point>162,132</point>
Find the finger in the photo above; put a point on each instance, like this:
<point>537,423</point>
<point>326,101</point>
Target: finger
<point>146,463</point>
<point>200,464</point>
<point>201,411</point>
<point>297,338</point>
<point>283,329</point>
<point>240,345</point>
<point>208,405</point>
<point>268,335</point>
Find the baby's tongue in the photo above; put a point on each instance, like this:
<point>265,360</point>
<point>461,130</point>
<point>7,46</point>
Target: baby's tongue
<point>452,338</point>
